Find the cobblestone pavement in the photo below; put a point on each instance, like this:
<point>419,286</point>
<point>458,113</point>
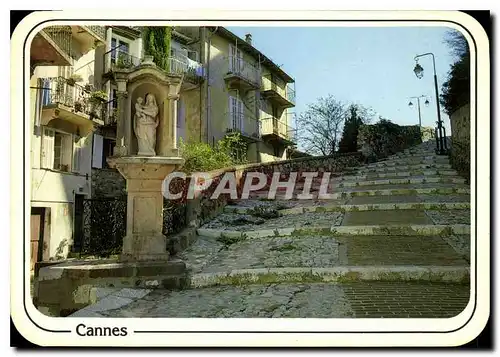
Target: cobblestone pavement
<point>373,299</point>
<point>242,223</point>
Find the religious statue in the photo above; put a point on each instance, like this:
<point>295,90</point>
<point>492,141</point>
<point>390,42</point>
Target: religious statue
<point>145,124</point>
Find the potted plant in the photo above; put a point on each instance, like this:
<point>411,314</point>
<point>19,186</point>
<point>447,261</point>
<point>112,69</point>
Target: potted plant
<point>97,98</point>
<point>73,79</point>
<point>78,106</point>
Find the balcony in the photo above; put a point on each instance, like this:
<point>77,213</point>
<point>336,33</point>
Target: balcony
<point>110,111</point>
<point>193,71</point>
<point>275,129</point>
<point>52,46</point>
<point>242,75</point>
<point>282,96</point>
<point>247,126</point>
<point>98,32</point>
<point>63,99</point>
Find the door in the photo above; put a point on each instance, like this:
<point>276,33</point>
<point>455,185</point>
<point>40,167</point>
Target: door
<point>78,223</point>
<point>36,242</point>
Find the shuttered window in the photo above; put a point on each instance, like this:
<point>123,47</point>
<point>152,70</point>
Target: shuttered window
<point>235,113</point>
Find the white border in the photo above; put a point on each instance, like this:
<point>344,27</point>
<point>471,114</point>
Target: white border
<point>467,333</point>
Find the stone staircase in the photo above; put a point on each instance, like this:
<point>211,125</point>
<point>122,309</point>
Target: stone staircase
<point>393,242</point>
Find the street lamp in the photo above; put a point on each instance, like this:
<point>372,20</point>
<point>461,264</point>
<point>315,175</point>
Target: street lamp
<point>440,130</point>
<point>418,106</point>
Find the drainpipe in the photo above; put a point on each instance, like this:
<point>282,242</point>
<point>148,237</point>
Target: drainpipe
<point>207,104</point>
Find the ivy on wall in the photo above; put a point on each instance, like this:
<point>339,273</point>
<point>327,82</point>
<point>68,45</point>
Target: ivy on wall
<point>157,44</point>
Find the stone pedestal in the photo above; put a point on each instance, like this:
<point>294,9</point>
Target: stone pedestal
<point>144,240</point>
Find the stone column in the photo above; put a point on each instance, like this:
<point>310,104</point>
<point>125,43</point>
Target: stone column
<point>121,123</point>
<point>173,114</point>
<point>167,143</point>
<point>144,239</point>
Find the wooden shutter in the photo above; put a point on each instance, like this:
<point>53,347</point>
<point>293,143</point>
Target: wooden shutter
<point>239,104</point>
<point>67,151</point>
<point>233,112</point>
<point>76,154</point>
<point>47,159</point>
<point>97,151</point>
<point>232,58</point>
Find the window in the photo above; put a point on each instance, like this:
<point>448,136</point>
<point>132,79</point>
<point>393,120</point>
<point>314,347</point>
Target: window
<point>117,47</point>
<point>235,59</point>
<point>235,113</point>
<point>107,150</point>
<point>60,151</point>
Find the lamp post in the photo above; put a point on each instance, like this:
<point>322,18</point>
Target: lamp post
<point>418,106</point>
<point>440,139</point>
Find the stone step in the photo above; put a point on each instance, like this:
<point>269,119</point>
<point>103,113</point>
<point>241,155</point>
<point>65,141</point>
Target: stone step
<point>406,216</point>
<point>336,230</point>
<point>401,162</point>
<point>393,181</point>
<point>324,251</point>
<point>359,207</point>
<point>377,189</point>
<point>343,274</point>
<point>364,299</point>
<point>416,167</point>
<point>396,174</point>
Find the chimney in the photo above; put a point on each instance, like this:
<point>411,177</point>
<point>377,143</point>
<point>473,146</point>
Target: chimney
<point>248,38</point>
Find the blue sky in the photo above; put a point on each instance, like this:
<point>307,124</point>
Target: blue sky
<point>372,66</point>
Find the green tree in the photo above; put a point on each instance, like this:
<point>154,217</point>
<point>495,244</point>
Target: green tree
<point>455,91</point>
<point>157,41</point>
<point>358,115</point>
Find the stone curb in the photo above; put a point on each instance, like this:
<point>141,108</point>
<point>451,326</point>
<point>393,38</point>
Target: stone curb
<point>398,173</point>
<point>394,181</point>
<point>404,191</point>
<point>110,299</point>
<point>362,207</point>
<point>400,230</point>
<point>343,274</point>
<point>397,168</point>
<point>405,162</point>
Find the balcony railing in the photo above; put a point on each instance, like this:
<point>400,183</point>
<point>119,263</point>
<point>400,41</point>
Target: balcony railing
<point>61,35</point>
<point>277,127</point>
<point>99,31</point>
<point>243,69</point>
<point>280,93</point>
<point>110,111</point>
<point>243,124</point>
<point>76,98</point>
<point>192,70</point>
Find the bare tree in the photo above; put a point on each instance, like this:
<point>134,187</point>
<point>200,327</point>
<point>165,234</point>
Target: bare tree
<point>321,125</point>
<point>457,43</point>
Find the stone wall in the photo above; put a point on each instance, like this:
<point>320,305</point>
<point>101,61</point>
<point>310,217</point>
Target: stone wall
<point>108,183</point>
<point>460,141</point>
<point>384,138</point>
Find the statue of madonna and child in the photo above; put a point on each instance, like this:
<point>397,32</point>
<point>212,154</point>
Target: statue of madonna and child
<point>145,124</point>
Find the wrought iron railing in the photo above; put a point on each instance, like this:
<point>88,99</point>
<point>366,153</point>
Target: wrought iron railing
<point>285,90</point>
<point>244,124</point>
<point>193,71</point>
<point>110,112</point>
<point>78,98</point>
<point>61,35</point>
<point>246,70</point>
<point>99,31</point>
<point>290,94</point>
<point>271,125</point>
<point>104,224</point>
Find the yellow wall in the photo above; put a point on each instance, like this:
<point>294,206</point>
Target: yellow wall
<point>219,93</point>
